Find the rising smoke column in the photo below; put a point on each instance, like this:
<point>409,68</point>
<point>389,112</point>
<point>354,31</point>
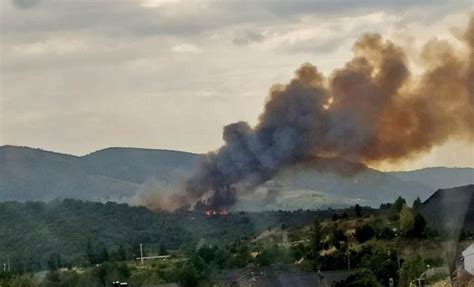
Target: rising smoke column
<point>371,110</point>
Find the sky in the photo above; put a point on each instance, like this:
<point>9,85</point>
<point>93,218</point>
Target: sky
<point>78,76</point>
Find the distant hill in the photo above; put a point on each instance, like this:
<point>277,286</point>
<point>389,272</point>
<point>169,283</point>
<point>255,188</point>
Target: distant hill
<point>139,165</point>
<point>120,174</point>
<point>438,177</point>
<point>113,174</point>
<point>451,209</point>
<point>337,183</point>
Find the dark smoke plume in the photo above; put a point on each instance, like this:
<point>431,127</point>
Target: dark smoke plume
<point>371,110</point>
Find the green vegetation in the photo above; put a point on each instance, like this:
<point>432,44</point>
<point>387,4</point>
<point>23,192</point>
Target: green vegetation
<point>79,244</point>
<point>38,236</point>
<point>364,278</point>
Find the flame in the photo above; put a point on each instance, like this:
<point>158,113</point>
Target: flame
<point>212,212</point>
<point>328,104</point>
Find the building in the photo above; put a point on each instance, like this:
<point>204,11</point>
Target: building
<point>468,256</point>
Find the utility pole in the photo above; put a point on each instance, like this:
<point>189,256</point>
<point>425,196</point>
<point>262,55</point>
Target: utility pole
<point>141,254</point>
<point>348,260</point>
<point>422,253</point>
<point>8,264</point>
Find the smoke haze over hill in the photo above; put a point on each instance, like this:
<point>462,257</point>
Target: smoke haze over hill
<point>372,110</point>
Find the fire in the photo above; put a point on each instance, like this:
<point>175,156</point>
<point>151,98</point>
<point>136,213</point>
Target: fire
<point>211,212</point>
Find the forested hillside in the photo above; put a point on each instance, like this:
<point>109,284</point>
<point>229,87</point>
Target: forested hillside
<point>90,244</point>
<point>35,231</point>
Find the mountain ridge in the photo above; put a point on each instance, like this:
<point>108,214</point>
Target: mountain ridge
<point>121,173</point>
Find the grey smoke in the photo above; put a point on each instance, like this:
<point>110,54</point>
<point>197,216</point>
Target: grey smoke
<point>371,110</point>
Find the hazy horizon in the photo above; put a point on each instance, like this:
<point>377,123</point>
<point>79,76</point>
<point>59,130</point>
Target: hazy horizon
<point>173,74</point>
<point>185,151</point>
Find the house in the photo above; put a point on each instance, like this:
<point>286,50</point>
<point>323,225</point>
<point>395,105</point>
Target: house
<point>468,256</point>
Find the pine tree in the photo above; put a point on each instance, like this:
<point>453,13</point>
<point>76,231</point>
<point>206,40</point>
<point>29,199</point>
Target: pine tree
<point>419,226</point>
<point>104,255</point>
<point>416,203</point>
<point>399,203</point>
<point>358,210</point>
<point>121,254</point>
<point>90,253</point>
<point>316,238</point>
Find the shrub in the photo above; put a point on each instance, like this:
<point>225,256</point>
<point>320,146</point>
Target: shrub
<point>364,233</point>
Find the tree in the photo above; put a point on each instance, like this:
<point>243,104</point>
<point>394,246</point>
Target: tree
<point>53,277</point>
<point>90,253</point>
<point>188,275</point>
<point>110,271</point>
<point>207,253</point>
<point>241,256</point>
<point>163,250</point>
<point>411,270</point>
<point>316,238</point>
<point>419,226</point>
<point>385,233</point>
<point>364,233</point>
<point>266,257</point>
<point>104,255</point>
<point>364,278</point>
<point>298,251</point>
<point>358,210</point>
<point>339,234</point>
<point>122,270</point>
<point>21,281</point>
<point>54,261</point>
<point>407,220</point>
<point>399,203</point>
<point>101,273</point>
<point>383,263</point>
<point>121,255</point>
<point>336,236</point>
<point>416,203</point>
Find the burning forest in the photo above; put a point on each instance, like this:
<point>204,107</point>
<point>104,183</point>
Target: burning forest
<point>374,109</point>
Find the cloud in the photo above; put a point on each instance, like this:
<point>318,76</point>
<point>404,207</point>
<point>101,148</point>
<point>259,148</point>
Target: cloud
<point>149,59</point>
<point>25,4</point>
<point>327,37</point>
<point>51,46</point>
<point>325,7</point>
<point>248,37</point>
<point>315,46</point>
<point>186,48</point>
<point>211,96</point>
<point>157,3</point>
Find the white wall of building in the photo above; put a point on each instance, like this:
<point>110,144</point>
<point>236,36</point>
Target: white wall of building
<point>468,255</point>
